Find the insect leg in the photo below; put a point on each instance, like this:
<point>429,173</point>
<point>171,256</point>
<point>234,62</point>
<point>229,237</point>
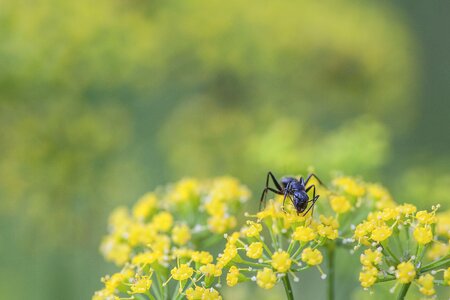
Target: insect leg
<point>264,193</point>
<point>312,205</point>
<point>274,181</point>
<point>315,176</point>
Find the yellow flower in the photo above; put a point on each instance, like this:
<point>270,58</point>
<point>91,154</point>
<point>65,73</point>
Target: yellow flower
<point>304,234</point>
<point>281,261</point>
<point>253,229</point>
<point>312,257</point>
<point>329,221</point>
<point>370,257</point>
<point>144,206</point>
<point>327,231</point>
<point>140,285</point>
<point>405,272</point>
<point>381,233</point>
<point>443,224</point>
<point>196,294</point>
<point>211,294</point>
<point>202,257</point>
<point>119,253</point>
<point>220,224</point>
<point>350,186</point>
<point>389,213</point>
<point>426,284</point>
<point>113,282</point>
<point>184,191</point>
<point>340,204</point>
<point>216,207</point>
<point>181,234</point>
<point>423,235</point>
<point>182,273</point>
<point>145,258</point>
<point>228,254</point>
<point>266,278</point>
<point>368,276</point>
<point>163,221</point>
<point>141,234</point>
<point>211,270</point>
<point>380,195</point>
<point>233,276</point>
<point>234,237</point>
<point>406,209</point>
<point>425,217</point>
<point>181,252</point>
<point>255,250</point>
<point>447,276</point>
<point>438,250</point>
<point>104,295</point>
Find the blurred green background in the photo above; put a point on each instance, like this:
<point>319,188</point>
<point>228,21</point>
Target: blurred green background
<point>102,101</point>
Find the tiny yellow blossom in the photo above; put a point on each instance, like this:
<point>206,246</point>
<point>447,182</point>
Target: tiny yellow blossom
<point>253,229</point>
<point>350,186</point>
<point>327,231</point>
<point>368,276</point>
<point>196,294</point>
<point>405,272</point>
<point>184,191</point>
<point>425,217</point>
<point>389,213</point>
<point>211,270</point>
<point>443,224</point>
<point>234,237</point>
<point>266,278</point>
<point>447,276</point>
<point>119,253</point>
<point>145,258</point>
<point>426,283</point>
<point>312,257</point>
<point>329,221</point>
<point>340,204</point>
<point>202,257</point>
<point>370,257</point>
<point>438,250</point>
<point>423,235</point>
<point>181,234</point>
<point>144,206</point>
<point>140,285</point>
<point>163,221</point>
<point>233,276</point>
<point>303,234</point>
<point>220,224</point>
<point>182,273</point>
<point>381,233</point>
<point>281,261</point>
<point>255,250</point>
<point>211,294</point>
<point>406,209</point>
<point>113,282</point>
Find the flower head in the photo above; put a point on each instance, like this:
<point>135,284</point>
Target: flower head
<point>368,276</point>
<point>312,257</point>
<point>181,234</point>
<point>183,272</point>
<point>426,283</point>
<point>202,257</point>
<point>405,272</point>
<point>140,285</point>
<point>303,234</point>
<point>340,204</point>
<point>233,276</point>
<point>281,261</point>
<point>255,250</point>
<point>381,233</point>
<point>423,235</point>
<point>266,278</point>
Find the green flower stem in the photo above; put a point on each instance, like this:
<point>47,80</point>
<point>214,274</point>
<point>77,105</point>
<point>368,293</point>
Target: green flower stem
<point>331,261</point>
<point>443,262</point>
<point>287,287</point>
<point>384,279</point>
<point>403,291</point>
<point>391,254</point>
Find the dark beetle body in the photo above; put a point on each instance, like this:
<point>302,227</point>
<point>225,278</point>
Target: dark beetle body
<point>295,190</point>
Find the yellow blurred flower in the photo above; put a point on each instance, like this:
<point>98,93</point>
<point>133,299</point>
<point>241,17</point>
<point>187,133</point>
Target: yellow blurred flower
<point>340,204</point>
<point>368,276</point>
<point>350,186</point>
<point>252,230</point>
<point>423,235</point>
<point>163,221</point>
<point>447,276</point>
<point>425,217</point>
<point>426,283</point>
<point>181,234</point>
<point>140,285</point>
<point>233,276</point>
<point>202,257</point>
<point>211,270</point>
<point>370,257</point>
<point>144,206</point>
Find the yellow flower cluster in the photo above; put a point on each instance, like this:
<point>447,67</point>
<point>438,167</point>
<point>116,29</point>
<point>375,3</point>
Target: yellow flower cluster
<point>149,239</point>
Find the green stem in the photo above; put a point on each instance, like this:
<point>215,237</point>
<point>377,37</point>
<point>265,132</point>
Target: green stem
<point>444,262</point>
<point>403,291</point>
<point>287,287</point>
<point>331,259</point>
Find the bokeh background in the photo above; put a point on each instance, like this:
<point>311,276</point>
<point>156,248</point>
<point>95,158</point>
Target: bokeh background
<point>102,101</point>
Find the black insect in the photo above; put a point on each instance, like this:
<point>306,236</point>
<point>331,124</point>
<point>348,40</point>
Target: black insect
<point>295,190</point>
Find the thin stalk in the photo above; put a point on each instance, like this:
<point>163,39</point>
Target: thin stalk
<point>331,272</point>
<point>403,291</point>
<point>287,287</point>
